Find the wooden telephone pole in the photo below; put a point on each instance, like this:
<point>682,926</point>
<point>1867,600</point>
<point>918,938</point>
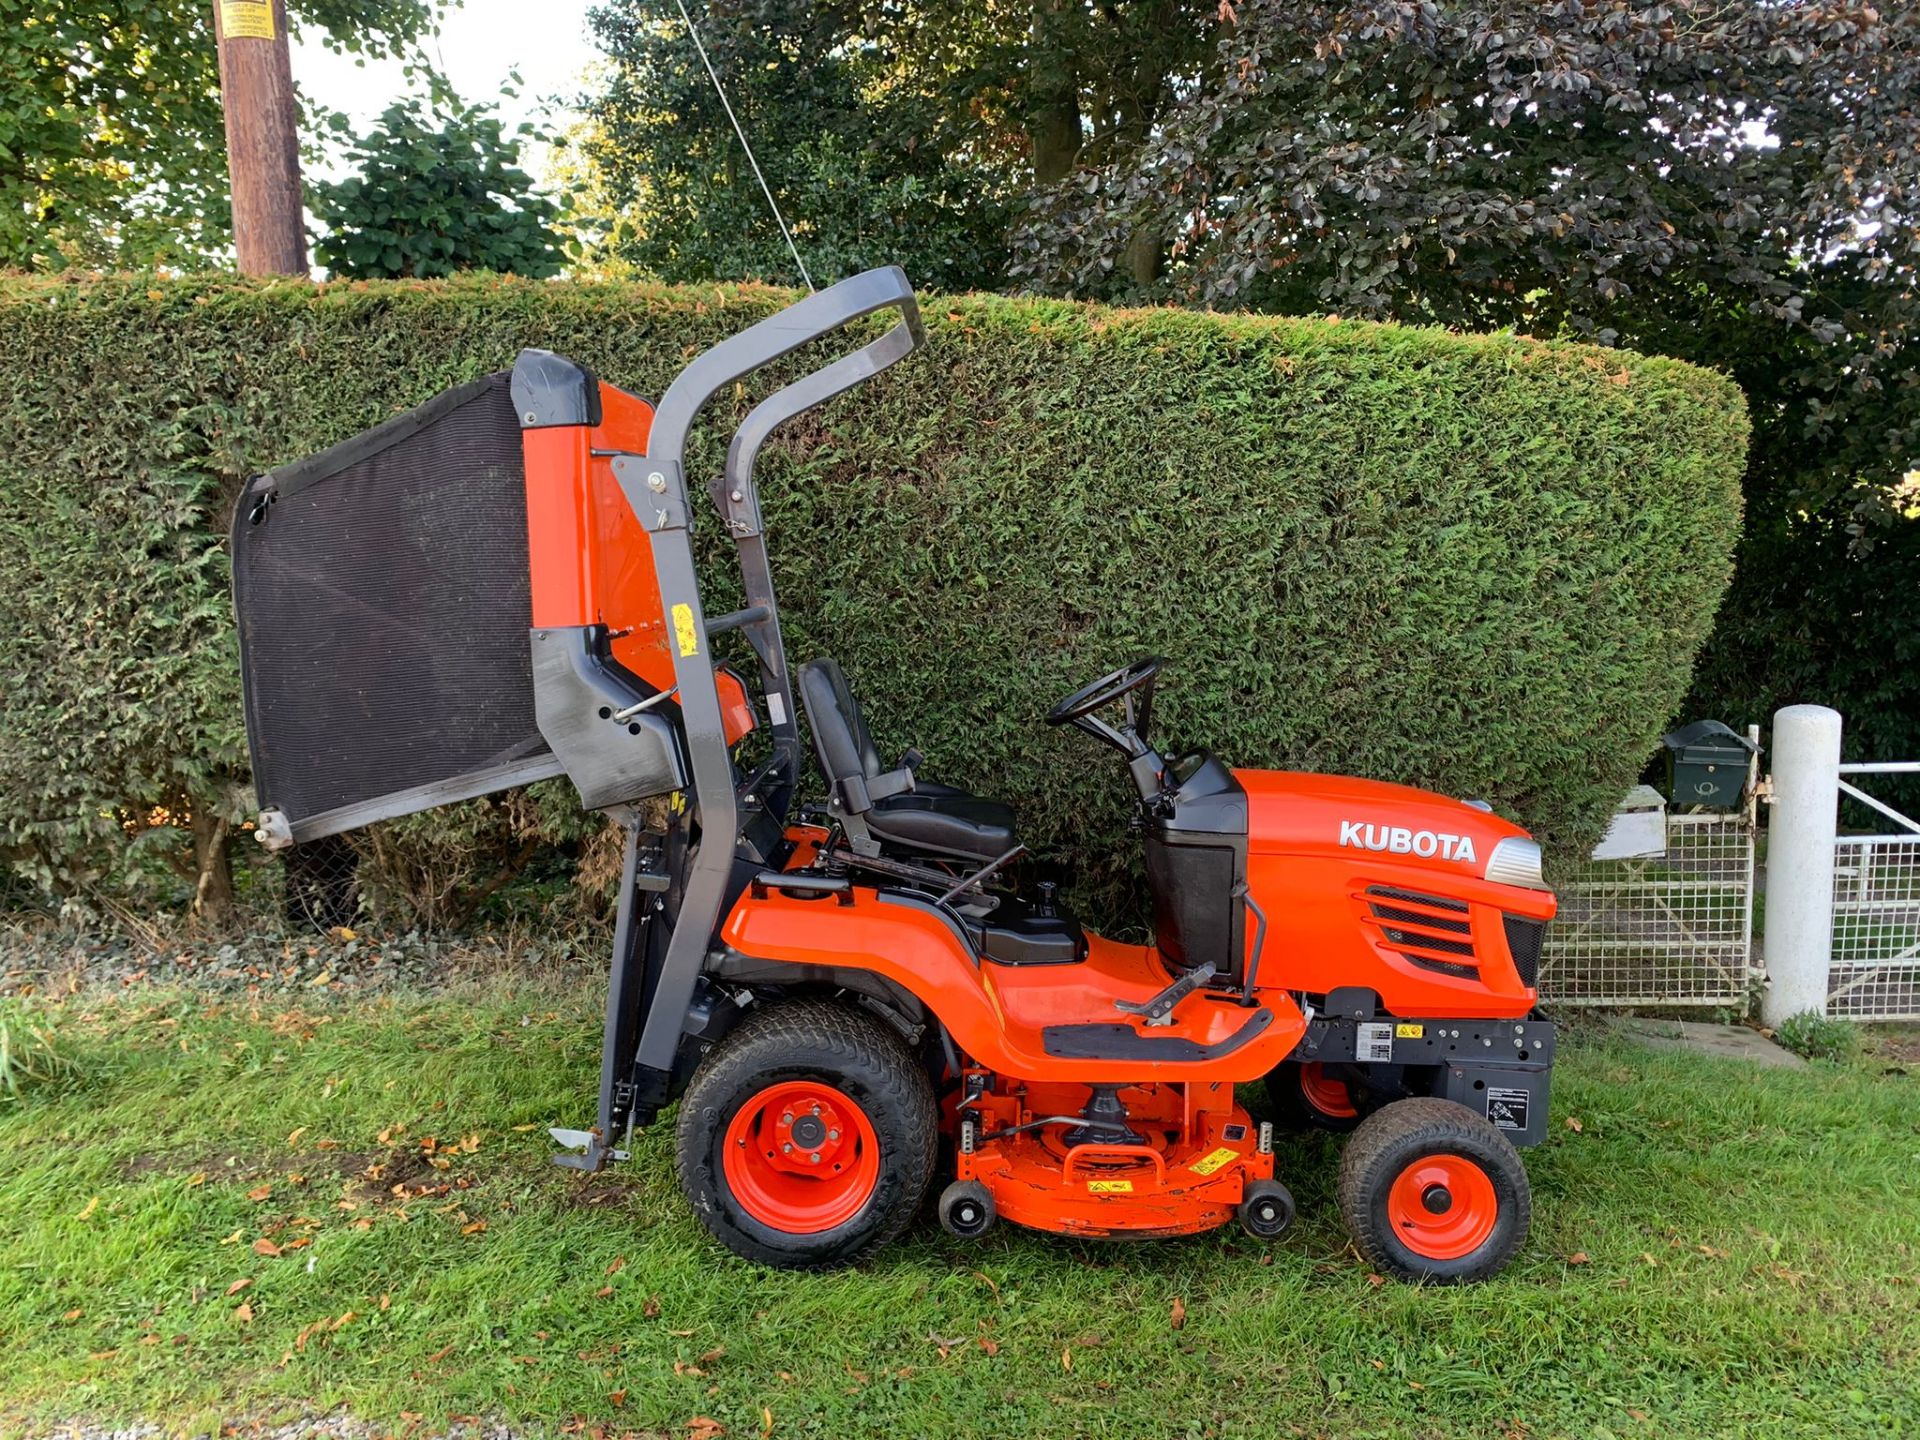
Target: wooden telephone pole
<point>263,141</point>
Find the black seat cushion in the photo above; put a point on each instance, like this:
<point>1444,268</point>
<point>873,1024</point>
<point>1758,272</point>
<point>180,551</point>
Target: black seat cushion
<point>930,816</point>
<point>956,824</point>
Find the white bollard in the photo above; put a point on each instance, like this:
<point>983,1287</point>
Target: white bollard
<point>1806,797</point>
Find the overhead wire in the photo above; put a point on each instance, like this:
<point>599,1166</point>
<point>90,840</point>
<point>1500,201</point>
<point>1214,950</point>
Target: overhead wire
<point>765,189</point>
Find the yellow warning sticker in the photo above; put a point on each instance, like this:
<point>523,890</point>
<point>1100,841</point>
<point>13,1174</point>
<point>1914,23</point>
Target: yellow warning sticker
<point>1409,1032</point>
<point>1207,1164</point>
<point>1110,1187</point>
<point>684,635</point>
<point>246,19</point>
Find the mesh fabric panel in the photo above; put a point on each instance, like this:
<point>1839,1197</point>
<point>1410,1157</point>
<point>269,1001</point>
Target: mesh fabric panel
<point>383,606</point>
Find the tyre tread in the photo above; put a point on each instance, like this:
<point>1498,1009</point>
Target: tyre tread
<point>825,1028</point>
<point>1444,1124</point>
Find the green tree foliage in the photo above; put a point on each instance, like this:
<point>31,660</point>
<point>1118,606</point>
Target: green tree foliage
<point>438,188</point>
<point>842,149</point>
<point>1436,558</point>
<point>112,147</point>
<point>910,133</point>
<point>1733,183</point>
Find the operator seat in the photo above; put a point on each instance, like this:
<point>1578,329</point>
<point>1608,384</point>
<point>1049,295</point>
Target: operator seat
<point>899,809</point>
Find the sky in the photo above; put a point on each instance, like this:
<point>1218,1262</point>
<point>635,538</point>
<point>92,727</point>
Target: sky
<point>479,43</point>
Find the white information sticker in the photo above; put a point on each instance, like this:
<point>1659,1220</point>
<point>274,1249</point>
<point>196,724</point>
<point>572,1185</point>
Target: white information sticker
<point>1373,1042</point>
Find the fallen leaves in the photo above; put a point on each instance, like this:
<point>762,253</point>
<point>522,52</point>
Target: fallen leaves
<point>243,1312</point>
<point>478,1227</point>
<point>237,1286</point>
<point>91,1206</point>
<point>1573,1124</point>
<point>266,1247</point>
<point>704,1427</point>
<point>1178,1319</point>
<point>1578,1257</point>
<point>619,1263</point>
<point>259,1193</point>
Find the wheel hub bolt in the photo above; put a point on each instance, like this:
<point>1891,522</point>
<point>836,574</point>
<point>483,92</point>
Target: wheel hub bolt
<point>1437,1198</point>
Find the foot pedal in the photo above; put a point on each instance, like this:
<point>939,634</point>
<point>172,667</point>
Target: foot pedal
<point>594,1154</point>
<point>1159,1010</point>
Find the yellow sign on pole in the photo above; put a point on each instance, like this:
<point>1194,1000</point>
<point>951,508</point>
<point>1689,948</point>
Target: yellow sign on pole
<point>246,19</point>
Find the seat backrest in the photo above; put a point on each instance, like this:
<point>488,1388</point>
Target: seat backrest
<point>840,739</point>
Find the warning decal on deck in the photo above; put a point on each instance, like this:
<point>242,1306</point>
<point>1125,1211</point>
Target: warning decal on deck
<point>1110,1187</point>
<point>684,635</point>
<point>1409,1032</point>
<point>1506,1108</point>
<point>1207,1164</point>
<point>246,19</point>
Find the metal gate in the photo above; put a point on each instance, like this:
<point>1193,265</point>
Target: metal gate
<point>1874,973</point>
<point>1674,929</point>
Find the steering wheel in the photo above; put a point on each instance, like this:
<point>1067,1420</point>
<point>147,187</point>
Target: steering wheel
<point>1107,689</point>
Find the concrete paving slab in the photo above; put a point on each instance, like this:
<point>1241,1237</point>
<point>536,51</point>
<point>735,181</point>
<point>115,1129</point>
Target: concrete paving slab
<point>1725,1042</point>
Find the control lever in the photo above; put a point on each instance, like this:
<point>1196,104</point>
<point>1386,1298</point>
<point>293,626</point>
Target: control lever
<point>1159,1010</point>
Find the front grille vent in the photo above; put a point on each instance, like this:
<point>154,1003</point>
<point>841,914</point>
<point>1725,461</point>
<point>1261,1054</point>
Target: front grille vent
<point>1428,942</point>
<point>1431,931</point>
<point>1435,902</point>
<point>1524,938</point>
<point>1443,967</point>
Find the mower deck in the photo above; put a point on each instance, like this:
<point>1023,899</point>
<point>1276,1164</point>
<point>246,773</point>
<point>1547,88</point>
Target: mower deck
<point>1186,1171</point>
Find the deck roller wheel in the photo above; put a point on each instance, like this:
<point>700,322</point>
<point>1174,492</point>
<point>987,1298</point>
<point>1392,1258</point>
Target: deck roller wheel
<point>1267,1210</point>
<point>808,1136</point>
<point>1431,1191</point>
<point>966,1209</point>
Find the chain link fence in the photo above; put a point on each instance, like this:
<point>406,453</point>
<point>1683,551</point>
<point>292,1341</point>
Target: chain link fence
<point>1674,929</point>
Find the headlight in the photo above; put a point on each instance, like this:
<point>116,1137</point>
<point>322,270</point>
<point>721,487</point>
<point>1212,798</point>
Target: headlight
<point>1516,862</point>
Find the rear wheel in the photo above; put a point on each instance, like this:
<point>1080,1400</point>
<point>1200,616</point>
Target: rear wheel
<point>1307,1095</point>
<point>807,1137</point>
<point>1431,1191</point>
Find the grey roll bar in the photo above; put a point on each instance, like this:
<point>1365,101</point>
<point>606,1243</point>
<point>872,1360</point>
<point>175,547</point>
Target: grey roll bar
<point>655,486</point>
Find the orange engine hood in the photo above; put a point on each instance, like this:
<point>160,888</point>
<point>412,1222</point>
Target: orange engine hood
<point>1292,812</point>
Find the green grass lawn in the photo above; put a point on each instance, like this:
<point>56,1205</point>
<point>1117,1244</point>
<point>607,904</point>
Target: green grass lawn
<point>240,1207</point>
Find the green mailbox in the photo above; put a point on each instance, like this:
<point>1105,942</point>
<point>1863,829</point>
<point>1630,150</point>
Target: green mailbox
<point>1707,765</point>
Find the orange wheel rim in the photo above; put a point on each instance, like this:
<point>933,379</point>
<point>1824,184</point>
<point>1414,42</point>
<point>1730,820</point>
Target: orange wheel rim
<point>801,1157</point>
<point>1326,1093</point>
<point>1443,1207</point>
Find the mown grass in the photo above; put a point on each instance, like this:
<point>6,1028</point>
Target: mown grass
<point>1716,1249</point>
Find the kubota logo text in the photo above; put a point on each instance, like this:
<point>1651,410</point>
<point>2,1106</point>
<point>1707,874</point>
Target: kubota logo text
<point>1397,840</point>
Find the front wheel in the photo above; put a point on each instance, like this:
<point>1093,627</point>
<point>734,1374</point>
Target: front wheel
<point>808,1137</point>
<point>1431,1191</point>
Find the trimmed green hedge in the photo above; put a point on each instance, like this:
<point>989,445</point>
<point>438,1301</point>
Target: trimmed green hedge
<point>1482,564</point>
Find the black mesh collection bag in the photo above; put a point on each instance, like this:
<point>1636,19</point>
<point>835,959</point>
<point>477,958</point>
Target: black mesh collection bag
<point>382,594</point>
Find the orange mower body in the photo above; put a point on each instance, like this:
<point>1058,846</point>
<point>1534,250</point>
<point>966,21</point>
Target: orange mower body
<point>855,981</point>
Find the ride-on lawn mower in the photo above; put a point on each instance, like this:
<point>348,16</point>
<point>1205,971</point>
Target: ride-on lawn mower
<point>850,997</point>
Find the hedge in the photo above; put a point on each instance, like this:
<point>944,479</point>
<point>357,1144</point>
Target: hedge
<point>1478,563</point>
